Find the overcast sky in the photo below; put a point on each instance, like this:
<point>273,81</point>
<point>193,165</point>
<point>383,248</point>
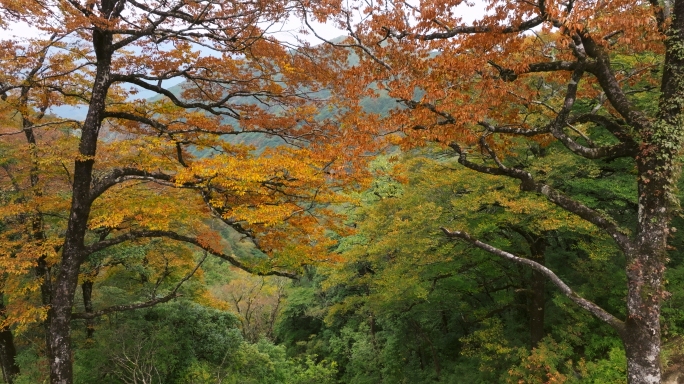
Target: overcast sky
<point>287,32</point>
<point>289,29</point>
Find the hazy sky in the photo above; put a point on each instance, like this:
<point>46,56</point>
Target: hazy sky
<point>287,32</point>
<point>284,31</point>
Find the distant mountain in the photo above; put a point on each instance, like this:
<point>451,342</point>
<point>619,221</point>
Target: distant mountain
<point>77,112</point>
<point>260,141</point>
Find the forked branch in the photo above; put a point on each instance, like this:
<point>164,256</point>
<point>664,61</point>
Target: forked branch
<point>626,147</point>
<point>529,184</point>
<point>359,44</point>
<point>146,304</point>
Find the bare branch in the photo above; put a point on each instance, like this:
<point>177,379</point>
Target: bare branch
<point>155,300</point>
<point>134,235</point>
<point>609,84</point>
<point>119,175</point>
<point>43,125</point>
<point>594,309</point>
<point>164,128</point>
<point>358,44</point>
<point>468,29</point>
<point>614,127</point>
<point>561,120</point>
<point>626,148</point>
<point>217,108</point>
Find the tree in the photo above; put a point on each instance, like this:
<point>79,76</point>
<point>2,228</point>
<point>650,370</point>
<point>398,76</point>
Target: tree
<point>406,303</point>
<point>585,74</point>
<point>137,169</point>
<point>256,301</point>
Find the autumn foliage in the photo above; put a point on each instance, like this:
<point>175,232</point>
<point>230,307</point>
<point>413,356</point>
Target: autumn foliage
<point>143,167</point>
<point>163,172</point>
<point>603,80</point>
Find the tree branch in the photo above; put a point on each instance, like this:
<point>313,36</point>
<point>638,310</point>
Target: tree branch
<point>164,128</point>
<point>359,44</point>
<point>42,125</point>
<point>155,300</point>
<point>627,148</point>
<point>215,108</point>
<point>468,29</point>
<point>237,226</point>
<point>594,309</point>
<point>119,175</point>
<point>551,66</point>
<point>134,235</point>
<point>528,184</point>
<point>609,84</point>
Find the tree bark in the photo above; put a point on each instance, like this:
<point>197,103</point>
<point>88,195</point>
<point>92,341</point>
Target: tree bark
<point>537,303</point>
<point>536,300</point>
<point>8,351</point>
<point>64,287</point>
<point>87,290</point>
<point>7,356</point>
<point>658,169</point>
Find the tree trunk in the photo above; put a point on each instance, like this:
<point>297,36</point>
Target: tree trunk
<point>87,289</point>
<point>645,268</point>
<point>642,347</point>
<point>537,301</point>
<point>64,287</point>
<point>61,366</point>
<point>658,169</point>
<point>8,352</point>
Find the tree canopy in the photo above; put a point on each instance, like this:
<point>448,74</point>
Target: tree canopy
<point>557,128</point>
<point>524,74</point>
<point>139,169</point>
